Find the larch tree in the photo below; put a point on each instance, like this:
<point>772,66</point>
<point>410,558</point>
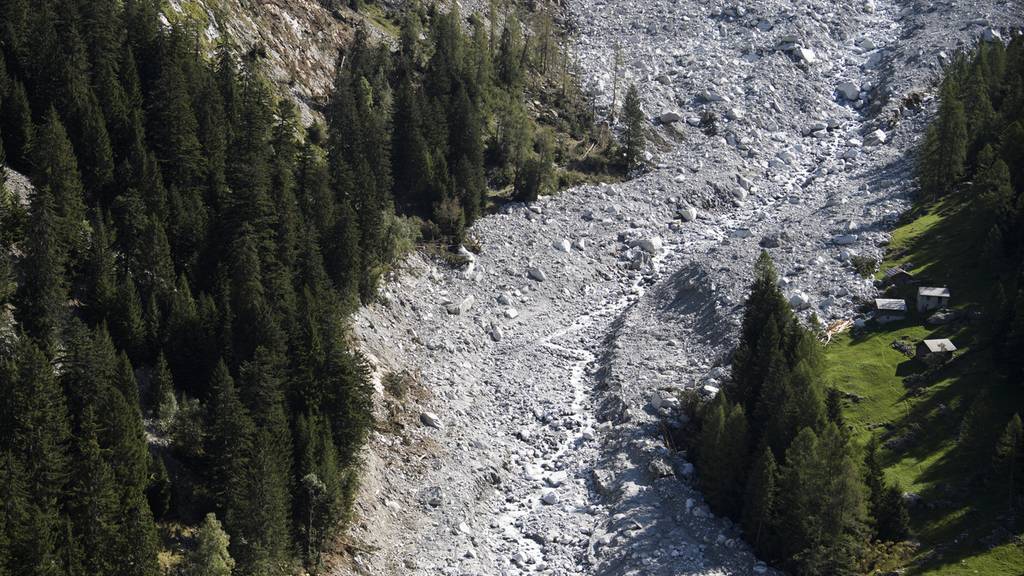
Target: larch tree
<point>211,557</point>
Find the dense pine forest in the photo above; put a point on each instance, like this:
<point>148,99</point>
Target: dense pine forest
<point>974,155</point>
<point>773,449</point>
<point>175,290</point>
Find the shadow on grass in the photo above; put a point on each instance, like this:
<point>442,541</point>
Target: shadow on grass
<point>908,367</point>
<point>960,516</point>
<point>960,519</point>
<point>949,252</point>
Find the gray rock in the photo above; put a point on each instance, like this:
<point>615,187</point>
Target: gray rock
<point>537,274</point>
<point>669,117</point>
<point>430,419</point>
<point>849,90</point>
<point>800,300</point>
<point>603,480</point>
<point>652,245</point>
<point>659,468</point>
<point>876,138</point>
<point>688,213</point>
<point>462,307</point>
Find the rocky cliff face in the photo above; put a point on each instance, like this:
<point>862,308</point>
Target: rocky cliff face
<point>300,38</point>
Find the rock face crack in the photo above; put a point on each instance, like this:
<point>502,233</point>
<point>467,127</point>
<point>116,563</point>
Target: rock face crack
<point>532,441</point>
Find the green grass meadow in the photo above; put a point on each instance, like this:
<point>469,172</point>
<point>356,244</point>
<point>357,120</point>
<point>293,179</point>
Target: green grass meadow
<point>960,519</point>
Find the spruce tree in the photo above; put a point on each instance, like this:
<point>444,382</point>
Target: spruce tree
<point>945,148</point>
<point>34,420</point>
<point>509,60</point>
<point>834,407</point>
<point>28,529</point>
<point>173,127</point>
<point>759,503</point>
<point>1008,464</point>
<point>164,402</point>
<point>711,458</point>
<point>822,510</point>
<point>894,525</point>
<point>56,168</point>
<point>885,501</point>
<point>842,505</point>
<point>633,139</point>
<point>258,516</point>
<point>92,497</point>
<point>314,192</point>
<point>101,276</point>
<point>410,154</point>
<point>759,361</point>
<point>265,496</point>
<point>126,324</point>
<point>319,501</point>
<point>735,452</point>
<point>799,483</point>
<point>228,441</point>
<point>18,129</point>
<point>42,293</point>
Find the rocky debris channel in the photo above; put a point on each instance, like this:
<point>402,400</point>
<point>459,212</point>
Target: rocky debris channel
<point>527,436</point>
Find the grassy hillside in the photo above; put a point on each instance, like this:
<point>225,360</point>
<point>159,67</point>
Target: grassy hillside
<point>959,520</point>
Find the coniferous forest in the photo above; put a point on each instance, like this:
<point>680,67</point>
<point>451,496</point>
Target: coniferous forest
<point>176,288</point>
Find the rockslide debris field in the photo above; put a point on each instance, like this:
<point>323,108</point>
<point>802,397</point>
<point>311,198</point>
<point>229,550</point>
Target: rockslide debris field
<point>528,439</point>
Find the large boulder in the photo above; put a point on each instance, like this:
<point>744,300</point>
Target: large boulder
<point>652,245</point>
<point>800,300</point>
<point>669,117</point>
<point>688,213</point>
<point>537,274</point>
<point>461,307</point>
<point>849,90</point>
<point>430,419</point>
<point>876,138</point>
<point>806,55</point>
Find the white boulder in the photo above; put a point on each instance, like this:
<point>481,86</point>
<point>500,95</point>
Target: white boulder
<point>652,245</point>
<point>875,138</point>
<point>807,55</point>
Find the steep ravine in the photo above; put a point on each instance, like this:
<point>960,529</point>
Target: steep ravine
<point>549,393</point>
